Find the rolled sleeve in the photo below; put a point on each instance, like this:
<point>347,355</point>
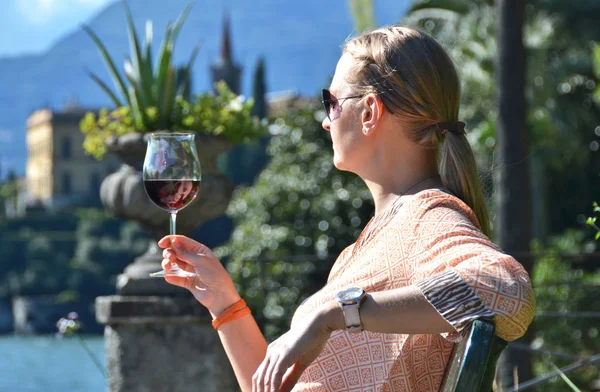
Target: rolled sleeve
<point>504,287</point>
<point>454,300</point>
<point>463,274</point>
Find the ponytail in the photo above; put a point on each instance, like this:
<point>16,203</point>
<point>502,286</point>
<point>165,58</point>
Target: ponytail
<point>417,81</point>
<point>459,174</point>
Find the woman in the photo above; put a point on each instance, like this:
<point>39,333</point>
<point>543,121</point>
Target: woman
<point>422,269</point>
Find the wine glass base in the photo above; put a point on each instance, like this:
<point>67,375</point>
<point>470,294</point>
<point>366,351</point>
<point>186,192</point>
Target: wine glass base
<point>173,272</point>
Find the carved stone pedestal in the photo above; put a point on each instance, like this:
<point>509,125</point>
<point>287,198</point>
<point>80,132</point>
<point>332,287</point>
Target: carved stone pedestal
<point>162,344</point>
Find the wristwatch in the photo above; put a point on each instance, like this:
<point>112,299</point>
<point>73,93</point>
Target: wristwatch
<point>350,300</point>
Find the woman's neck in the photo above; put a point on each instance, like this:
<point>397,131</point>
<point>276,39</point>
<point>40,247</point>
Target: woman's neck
<point>396,172</point>
<point>385,194</point>
<point>398,167</point>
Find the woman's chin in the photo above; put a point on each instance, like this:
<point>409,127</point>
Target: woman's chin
<point>339,163</point>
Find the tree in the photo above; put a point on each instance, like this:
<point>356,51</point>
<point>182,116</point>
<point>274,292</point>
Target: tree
<point>513,194</point>
<point>9,191</point>
<point>259,90</point>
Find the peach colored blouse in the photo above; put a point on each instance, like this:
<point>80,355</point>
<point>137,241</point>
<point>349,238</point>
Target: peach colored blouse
<point>431,241</point>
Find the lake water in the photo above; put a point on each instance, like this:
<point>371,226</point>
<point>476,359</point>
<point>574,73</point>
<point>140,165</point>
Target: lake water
<point>47,364</point>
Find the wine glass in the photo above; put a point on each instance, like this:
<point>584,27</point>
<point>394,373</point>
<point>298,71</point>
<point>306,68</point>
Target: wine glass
<point>171,178</point>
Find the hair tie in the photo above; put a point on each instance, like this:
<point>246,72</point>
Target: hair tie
<point>453,127</point>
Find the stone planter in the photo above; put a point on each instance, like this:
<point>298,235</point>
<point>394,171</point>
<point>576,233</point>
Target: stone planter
<point>123,194</point>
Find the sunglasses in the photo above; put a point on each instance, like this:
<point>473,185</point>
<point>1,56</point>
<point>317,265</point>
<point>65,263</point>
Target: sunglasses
<point>333,105</point>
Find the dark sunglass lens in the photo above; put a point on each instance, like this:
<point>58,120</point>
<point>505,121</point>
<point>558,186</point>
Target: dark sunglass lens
<point>326,98</point>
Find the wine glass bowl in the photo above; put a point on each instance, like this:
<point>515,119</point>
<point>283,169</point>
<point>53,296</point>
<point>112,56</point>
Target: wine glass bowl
<point>172,195</point>
<point>171,176</point>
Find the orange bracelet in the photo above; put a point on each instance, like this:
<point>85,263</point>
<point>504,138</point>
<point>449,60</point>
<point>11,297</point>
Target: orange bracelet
<point>234,312</point>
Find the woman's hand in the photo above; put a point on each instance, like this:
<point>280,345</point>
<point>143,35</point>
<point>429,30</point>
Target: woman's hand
<point>212,286</point>
<point>288,356</point>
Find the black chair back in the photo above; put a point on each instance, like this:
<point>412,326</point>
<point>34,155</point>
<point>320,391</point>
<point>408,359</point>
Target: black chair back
<point>472,365</point>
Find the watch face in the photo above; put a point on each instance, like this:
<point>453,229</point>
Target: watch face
<point>350,295</point>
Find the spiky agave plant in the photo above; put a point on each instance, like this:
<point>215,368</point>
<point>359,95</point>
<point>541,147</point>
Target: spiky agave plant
<point>151,92</point>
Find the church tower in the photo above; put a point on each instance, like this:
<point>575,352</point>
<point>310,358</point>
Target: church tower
<point>224,68</point>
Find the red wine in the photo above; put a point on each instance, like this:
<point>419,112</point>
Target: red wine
<point>172,195</point>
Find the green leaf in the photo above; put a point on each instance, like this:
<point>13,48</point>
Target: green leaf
<point>148,61</point>
<point>167,100</point>
<point>179,22</point>
<point>363,14</point>
<point>597,236</point>
<point>141,104</point>
<point>166,77</point>
<point>590,221</point>
<point>116,77</point>
<point>188,72</point>
<point>457,6</point>
<point>565,378</point>
<point>136,57</point>
<point>435,13</point>
<point>106,89</point>
<point>135,110</point>
<point>164,62</point>
<point>596,60</point>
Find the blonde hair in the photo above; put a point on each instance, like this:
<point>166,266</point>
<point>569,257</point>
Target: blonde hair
<point>417,81</point>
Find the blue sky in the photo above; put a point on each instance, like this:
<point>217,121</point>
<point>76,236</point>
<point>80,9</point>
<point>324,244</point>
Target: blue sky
<point>30,26</point>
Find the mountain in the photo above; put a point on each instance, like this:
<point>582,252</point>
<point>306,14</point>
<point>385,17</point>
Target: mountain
<point>300,41</point>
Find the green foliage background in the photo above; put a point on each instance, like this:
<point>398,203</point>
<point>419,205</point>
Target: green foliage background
<point>294,220</point>
<point>73,255</point>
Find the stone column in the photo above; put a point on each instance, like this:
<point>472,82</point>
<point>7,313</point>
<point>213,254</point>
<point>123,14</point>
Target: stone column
<point>157,343</point>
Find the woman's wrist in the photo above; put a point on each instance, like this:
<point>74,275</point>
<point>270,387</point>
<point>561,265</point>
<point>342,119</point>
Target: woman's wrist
<point>331,317</point>
<point>220,306</point>
<point>222,300</point>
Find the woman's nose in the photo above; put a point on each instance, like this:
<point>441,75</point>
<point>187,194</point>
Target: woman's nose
<point>326,124</point>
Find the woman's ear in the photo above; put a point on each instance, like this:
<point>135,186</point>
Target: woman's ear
<point>371,114</point>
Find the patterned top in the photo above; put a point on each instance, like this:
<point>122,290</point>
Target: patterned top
<point>433,242</point>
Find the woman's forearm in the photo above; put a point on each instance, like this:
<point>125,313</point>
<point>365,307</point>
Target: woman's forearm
<point>246,348</point>
<point>404,310</point>
<point>242,340</point>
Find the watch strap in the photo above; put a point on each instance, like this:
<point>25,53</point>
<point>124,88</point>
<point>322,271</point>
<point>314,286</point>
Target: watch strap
<point>352,317</point>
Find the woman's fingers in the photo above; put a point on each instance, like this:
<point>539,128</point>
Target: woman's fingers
<point>181,281</point>
<point>271,369</point>
<point>189,244</point>
<point>186,243</point>
<point>170,255</point>
<point>291,377</point>
<point>269,375</point>
<point>259,376</point>
<point>185,266</point>
<point>187,260</point>
<point>186,256</point>
<point>287,358</point>
<point>165,242</point>
<point>277,373</point>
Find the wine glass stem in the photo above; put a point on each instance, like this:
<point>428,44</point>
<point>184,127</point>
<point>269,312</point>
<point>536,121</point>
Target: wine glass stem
<point>173,222</point>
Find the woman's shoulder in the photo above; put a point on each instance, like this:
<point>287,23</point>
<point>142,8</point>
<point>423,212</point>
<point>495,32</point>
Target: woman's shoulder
<point>439,203</point>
